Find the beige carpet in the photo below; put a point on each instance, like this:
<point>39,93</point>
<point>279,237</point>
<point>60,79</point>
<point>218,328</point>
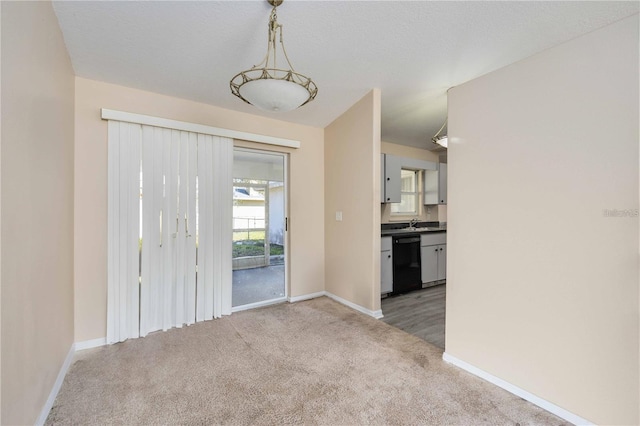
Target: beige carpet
<point>313,362</point>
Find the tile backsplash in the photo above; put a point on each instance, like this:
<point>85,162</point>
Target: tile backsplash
<point>429,214</point>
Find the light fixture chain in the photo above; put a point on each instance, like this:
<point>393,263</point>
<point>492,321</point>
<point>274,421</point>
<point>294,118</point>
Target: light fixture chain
<point>273,28</point>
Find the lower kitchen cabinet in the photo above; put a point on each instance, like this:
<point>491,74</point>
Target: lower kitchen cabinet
<point>434,263</point>
<point>442,262</point>
<point>433,257</point>
<point>386,266</point>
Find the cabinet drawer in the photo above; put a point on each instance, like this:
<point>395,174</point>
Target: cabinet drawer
<point>385,244</point>
<point>433,238</point>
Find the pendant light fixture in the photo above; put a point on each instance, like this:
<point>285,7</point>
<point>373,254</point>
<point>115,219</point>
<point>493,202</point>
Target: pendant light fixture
<point>271,88</point>
<point>439,139</point>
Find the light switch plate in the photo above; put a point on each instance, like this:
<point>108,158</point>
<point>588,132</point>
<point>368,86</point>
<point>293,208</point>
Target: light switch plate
<point>339,216</point>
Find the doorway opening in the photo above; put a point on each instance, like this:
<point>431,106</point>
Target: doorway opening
<point>259,228</point>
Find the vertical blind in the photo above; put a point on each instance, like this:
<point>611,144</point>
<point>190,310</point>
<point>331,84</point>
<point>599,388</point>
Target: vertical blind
<point>169,228</point>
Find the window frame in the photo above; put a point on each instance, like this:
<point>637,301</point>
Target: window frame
<point>415,194</point>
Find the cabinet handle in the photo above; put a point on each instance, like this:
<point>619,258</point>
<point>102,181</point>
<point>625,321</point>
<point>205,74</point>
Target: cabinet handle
<point>436,249</point>
<point>388,178</point>
<point>389,256</point>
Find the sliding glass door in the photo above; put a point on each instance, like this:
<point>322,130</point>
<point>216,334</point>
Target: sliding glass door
<point>259,228</point>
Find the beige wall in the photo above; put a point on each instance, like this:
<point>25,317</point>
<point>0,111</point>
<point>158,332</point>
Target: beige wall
<point>352,186</point>
<point>542,288</point>
<point>37,207</point>
<point>427,213</point>
<point>408,151</point>
<point>305,203</point>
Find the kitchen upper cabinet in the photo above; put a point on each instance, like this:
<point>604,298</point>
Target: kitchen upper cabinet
<point>442,183</point>
<point>382,178</point>
<point>386,266</point>
<point>391,171</point>
<point>435,185</point>
<point>392,184</point>
<point>431,187</point>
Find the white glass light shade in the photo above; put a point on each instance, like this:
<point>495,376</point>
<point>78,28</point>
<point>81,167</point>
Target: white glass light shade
<point>441,140</point>
<point>274,95</point>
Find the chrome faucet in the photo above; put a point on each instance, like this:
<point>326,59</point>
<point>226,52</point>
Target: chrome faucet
<point>413,223</point>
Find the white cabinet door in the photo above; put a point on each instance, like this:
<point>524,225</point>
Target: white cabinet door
<point>392,167</point>
<point>442,184</point>
<point>382,179</point>
<point>386,265</point>
<point>434,263</point>
<point>386,272</point>
<point>442,262</point>
<point>435,185</point>
<point>431,186</point>
<point>429,263</point>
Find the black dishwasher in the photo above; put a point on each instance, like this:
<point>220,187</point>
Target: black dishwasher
<point>406,263</point>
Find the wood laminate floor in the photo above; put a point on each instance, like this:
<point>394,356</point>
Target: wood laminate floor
<point>419,312</point>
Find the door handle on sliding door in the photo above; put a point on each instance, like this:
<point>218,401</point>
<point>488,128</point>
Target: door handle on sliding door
<point>161,228</point>
<point>175,234</point>
<point>186,226</point>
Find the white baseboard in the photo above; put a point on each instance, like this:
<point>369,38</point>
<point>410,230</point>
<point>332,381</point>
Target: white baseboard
<point>376,314</point>
<point>258,304</point>
<point>546,405</point>
<point>307,296</point>
<point>88,344</point>
<point>56,387</point>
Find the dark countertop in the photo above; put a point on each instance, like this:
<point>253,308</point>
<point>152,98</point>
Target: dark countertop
<point>390,229</point>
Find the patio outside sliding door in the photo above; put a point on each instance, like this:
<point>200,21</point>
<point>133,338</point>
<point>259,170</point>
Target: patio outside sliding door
<point>259,228</point>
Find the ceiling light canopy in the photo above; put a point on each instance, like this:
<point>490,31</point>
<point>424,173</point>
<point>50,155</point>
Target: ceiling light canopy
<point>271,88</point>
<point>439,139</point>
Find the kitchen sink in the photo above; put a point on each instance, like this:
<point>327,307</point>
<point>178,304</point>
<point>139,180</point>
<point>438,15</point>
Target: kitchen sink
<point>409,229</point>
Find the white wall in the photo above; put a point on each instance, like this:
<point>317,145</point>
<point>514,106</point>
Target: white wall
<point>37,208</point>
<point>542,287</point>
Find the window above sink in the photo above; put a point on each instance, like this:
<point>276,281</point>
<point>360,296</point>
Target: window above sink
<point>409,194</point>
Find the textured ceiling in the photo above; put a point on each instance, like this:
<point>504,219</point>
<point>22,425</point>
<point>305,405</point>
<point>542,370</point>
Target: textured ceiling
<point>413,51</point>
